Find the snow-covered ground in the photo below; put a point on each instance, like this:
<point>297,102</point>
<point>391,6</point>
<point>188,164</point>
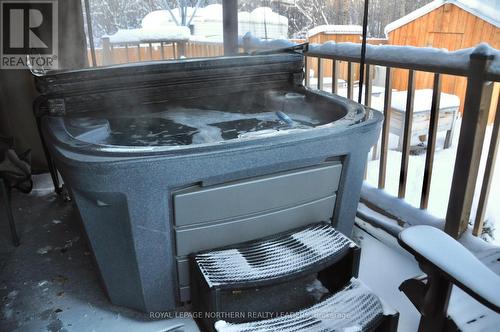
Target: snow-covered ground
<point>444,162</point>
<point>442,173</point>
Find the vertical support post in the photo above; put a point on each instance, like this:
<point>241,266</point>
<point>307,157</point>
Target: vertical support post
<point>107,58</point>
<point>230,26</point>
<point>405,158</point>
<point>307,78</point>
<point>385,128</point>
<point>488,174</point>
<point>320,73</point>
<point>150,51</point>
<point>474,121</point>
<point>350,79</point>
<point>431,142</point>
<point>162,51</point>
<point>90,32</point>
<point>126,53</point>
<point>368,102</point>
<point>112,48</point>
<point>182,48</point>
<point>368,85</point>
<point>335,76</point>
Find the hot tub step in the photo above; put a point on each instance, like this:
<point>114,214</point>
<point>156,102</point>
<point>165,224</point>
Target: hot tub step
<point>282,273</point>
<point>354,308</point>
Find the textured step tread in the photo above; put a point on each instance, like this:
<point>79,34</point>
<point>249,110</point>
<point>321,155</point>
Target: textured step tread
<point>354,308</point>
<point>274,257</point>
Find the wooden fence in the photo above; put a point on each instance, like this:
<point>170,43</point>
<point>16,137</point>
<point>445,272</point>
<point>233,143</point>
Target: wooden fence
<point>126,53</point>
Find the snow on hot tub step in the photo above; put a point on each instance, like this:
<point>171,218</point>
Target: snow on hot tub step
<point>282,273</point>
<point>302,251</point>
<point>354,308</point>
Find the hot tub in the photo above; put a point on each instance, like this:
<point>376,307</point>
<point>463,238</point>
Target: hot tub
<point>164,159</point>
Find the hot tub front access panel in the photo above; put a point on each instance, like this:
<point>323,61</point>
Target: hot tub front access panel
<point>141,145</point>
<point>245,210</point>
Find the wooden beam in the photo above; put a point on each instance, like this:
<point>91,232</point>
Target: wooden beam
<point>472,131</point>
<point>350,79</point>
<point>488,175</point>
<point>335,76</point>
<point>320,74</point>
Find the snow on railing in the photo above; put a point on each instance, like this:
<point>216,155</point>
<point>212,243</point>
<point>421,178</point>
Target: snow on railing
<point>427,59</point>
<point>480,65</point>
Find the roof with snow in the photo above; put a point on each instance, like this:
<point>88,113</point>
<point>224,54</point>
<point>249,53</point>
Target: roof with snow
<point>336,30</point>
<point>487,10</point>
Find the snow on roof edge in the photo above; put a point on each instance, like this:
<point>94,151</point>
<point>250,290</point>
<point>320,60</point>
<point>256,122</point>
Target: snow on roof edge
<point>432,6</point>
<point>413,16</point>
<point>336,29</point>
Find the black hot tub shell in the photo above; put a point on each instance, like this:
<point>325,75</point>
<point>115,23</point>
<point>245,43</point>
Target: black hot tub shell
<point>164,159</point>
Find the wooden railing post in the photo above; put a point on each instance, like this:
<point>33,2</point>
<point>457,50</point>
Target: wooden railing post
<point>320,73</point>
<point>335,76</point>
<point>107,57</point>
<point>182,49</point>
<point>307,77</point>
<point>488,175</point>
<point>472,131</point>
<point>350,80</point>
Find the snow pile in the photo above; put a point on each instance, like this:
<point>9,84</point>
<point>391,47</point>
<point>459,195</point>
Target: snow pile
<point>157,18</point>
<point>265,23</point>
<point>336,29</point>
<point>262,22</point>
<point>423,98</point>
<point>150,34</point>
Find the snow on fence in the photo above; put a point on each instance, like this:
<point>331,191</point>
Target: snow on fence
<point>479,65</point>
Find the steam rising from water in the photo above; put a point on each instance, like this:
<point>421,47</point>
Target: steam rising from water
<point>183,126</point>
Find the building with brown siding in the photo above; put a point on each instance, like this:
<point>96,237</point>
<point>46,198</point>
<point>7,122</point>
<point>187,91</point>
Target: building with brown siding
<point>448,24</point>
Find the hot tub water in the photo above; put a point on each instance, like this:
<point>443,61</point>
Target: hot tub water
<point>178,125</point>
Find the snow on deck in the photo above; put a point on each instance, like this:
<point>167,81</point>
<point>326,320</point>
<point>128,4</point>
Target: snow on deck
<point>444,163</point>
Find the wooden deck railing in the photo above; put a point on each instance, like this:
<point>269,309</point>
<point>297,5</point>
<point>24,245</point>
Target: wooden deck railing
<point>480,66</point>
<point>117,53</point>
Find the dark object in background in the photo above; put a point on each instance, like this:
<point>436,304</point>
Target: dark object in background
<point>15,172</point>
